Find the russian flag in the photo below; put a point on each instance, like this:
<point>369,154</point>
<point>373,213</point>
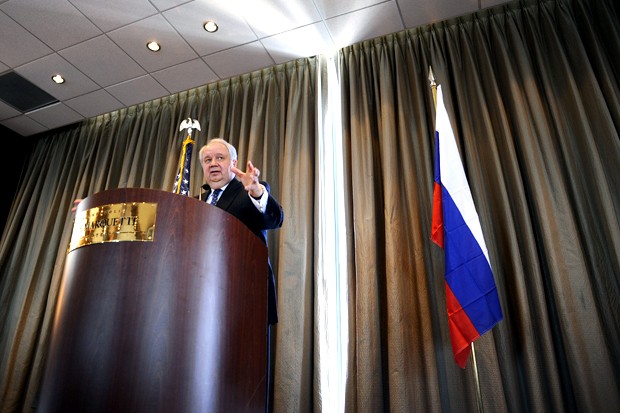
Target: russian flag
<point>471,295</point>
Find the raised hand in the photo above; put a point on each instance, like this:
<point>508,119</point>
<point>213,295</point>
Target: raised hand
<point>249,179</point>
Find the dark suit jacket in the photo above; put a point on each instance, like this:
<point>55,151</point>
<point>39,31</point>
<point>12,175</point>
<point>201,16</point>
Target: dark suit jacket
<point>235,200</point>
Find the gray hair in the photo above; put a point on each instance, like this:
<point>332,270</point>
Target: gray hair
<point>232,151</point>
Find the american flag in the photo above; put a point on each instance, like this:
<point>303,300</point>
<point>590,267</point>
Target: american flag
<point>181,182</point>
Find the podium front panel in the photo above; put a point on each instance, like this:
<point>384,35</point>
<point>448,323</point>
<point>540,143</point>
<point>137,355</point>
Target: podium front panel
<point>177,324</point>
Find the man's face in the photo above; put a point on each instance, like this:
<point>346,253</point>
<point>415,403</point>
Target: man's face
<point>216,165</point>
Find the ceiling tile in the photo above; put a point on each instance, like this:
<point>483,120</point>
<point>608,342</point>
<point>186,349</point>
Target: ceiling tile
<point>303,42</point>
<point>94,103</point>
<point>167,4</point>
<point>112,14</point>
<point>133,39</point>
<point>425,12</point>
<point>269,17</point>
<point>239,60</point>
<point>23,125</point>
<point>12,34</point>
<point>54,116</point>
<point>7,111</point>
<point>331,8</point>
<point>104,61</point>
<point>45,19</point>
<point>365,24</point>
<point>137,90</point>
<point>490,3</point>
<point>41,71</point>
<point>185,76</point>
<point>189,19</point>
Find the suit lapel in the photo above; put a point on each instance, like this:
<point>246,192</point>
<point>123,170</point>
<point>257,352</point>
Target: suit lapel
<point>229,194</point>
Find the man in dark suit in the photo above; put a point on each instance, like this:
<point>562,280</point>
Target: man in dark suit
<point>244,196</point>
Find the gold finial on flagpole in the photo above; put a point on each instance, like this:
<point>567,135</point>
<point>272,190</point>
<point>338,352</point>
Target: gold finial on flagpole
<point>431,79</point>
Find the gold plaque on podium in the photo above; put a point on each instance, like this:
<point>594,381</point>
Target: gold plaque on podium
<point>128,221</point>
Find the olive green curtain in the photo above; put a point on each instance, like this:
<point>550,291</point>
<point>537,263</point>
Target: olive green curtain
<point>532,89</point>
<point>268,115</point>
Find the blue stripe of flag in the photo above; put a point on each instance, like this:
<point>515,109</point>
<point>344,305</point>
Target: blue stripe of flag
<point>467,271</point>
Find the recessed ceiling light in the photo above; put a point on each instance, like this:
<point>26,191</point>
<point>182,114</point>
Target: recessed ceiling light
<point>58,79</point>
<point>153,46</point>
<point>210,26</point>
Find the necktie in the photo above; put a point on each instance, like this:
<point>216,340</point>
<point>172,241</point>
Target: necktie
<point>215,195</point>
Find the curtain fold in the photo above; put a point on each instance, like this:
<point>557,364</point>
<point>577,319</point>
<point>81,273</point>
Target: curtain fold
<point>532,91</point>
<point>267,114</point>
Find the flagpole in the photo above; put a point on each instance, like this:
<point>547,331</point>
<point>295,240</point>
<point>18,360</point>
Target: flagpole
<point>477,379</point>
<point>480,406</point>
<point>431,79</point>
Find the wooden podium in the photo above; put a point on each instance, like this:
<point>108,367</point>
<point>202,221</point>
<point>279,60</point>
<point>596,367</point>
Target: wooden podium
<point>173,323</point>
